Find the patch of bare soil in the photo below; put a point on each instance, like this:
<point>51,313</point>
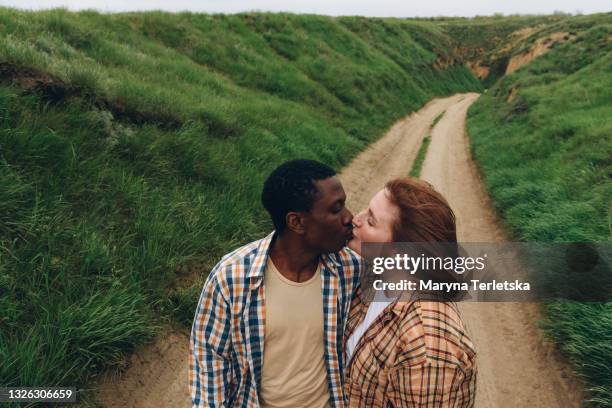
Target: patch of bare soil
<point>55,90</point>
<point>541,46</point>
<point>32,80</point>
<point>480,71</point>
<point>156,377</point>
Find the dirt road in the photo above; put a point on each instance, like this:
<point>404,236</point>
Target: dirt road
<point>517,368</point>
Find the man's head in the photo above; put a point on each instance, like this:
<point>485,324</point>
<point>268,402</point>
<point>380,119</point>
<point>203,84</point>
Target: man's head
<point>305,198</point>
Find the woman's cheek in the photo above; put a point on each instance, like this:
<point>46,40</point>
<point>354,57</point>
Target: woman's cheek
<point>370,234</point>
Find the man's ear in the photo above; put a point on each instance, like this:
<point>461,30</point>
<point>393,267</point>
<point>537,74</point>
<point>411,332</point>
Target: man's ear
<point>295,222</point>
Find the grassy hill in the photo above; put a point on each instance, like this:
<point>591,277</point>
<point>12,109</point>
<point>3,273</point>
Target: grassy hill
<point>542,138</point>
<point>133,148</point>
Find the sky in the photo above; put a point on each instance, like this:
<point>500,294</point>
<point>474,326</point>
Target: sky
<point>373,8</point>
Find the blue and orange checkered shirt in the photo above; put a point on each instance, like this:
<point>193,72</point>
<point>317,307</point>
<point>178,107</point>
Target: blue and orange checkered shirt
<point>227,337</point>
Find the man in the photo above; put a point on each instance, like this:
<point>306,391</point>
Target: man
<point>268,328</point>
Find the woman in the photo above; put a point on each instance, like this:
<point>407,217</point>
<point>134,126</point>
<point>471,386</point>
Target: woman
<point>399,352</point>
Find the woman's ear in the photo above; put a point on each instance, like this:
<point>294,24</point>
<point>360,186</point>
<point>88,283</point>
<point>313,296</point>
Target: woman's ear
<point>295,222</point>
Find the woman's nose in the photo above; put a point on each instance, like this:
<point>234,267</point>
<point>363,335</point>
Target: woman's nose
<point>357,220</point>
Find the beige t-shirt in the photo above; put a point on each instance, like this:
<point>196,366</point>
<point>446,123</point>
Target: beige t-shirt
<point>293,372</point>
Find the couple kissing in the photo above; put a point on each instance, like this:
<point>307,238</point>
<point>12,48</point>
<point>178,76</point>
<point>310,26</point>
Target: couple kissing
<point>281,322</point>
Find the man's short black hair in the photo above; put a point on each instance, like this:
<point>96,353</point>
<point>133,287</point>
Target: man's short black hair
<point>290,187</point>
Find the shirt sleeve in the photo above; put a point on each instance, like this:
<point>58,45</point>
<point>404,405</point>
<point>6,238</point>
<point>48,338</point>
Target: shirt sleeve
<point>210,348</point>
<point>432,386</point>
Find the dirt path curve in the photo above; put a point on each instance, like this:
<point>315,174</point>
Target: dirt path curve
<point>517,369</point>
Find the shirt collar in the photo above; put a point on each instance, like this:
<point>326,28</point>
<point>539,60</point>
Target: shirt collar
<point>256,271</point>
<point>258,267</point>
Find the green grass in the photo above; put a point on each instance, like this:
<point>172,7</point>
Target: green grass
<point>420,157</point>
<point>546,157</point>
<point>133,148</point>
<point>417,166</point>
<point>437,119</point>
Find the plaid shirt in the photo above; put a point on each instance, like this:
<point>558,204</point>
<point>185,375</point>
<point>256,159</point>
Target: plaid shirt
<point>227,337</point>
<point>415,354</point>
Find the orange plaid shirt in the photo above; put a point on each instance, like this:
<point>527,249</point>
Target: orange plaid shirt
<point>415,354</point>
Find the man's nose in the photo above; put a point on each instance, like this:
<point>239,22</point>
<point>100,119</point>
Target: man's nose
<point>348,217</point>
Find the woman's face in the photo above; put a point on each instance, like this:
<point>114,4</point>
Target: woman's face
<point>375,223</point>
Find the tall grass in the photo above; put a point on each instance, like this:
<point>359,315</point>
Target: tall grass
<point>546,156</point>
<point>133,148</point>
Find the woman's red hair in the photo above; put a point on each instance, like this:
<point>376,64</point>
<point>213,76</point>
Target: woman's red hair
<point>424,215</point>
